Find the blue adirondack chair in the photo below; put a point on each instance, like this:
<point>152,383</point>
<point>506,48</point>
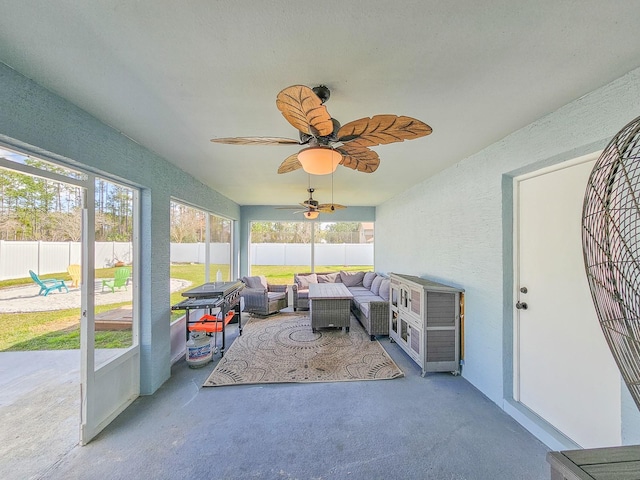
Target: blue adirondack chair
<point>121,279</point>
<point>47,285</point>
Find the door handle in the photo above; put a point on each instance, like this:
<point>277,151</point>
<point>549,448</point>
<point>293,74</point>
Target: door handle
<point>522,305</point>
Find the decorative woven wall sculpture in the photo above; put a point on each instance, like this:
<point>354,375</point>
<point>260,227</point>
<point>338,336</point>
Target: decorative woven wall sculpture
<point>611,244</point>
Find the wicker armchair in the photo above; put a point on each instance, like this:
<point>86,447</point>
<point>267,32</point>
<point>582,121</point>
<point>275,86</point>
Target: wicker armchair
<point>261,298</point>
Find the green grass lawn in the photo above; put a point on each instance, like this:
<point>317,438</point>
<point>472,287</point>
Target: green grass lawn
<point>60,329</point>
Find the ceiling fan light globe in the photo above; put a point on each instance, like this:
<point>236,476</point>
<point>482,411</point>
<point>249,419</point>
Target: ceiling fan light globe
<point>319,160</point>
<point>310,215</point>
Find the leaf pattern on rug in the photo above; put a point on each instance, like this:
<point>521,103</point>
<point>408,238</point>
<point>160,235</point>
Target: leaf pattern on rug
<point>283,349</point>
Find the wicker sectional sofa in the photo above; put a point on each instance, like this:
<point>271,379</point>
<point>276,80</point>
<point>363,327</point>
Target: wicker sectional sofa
<point>370,303</point>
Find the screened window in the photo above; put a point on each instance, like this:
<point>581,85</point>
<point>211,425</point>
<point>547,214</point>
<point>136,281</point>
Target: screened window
<point>278,250</point>
<point>201,249</point>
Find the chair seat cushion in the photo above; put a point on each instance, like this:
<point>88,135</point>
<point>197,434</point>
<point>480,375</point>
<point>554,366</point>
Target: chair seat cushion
<point>276,295</point>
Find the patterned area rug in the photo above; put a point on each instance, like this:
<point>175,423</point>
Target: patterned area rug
<point>283,349</point>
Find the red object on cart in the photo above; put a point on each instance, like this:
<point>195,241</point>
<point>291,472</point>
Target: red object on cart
<point>211,324</point>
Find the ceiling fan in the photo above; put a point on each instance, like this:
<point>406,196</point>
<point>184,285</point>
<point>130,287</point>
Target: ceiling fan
<point>312,208</point>
<point>328,143</point>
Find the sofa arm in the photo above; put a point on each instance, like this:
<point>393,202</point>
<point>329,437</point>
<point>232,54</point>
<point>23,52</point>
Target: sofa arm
<point>277,288</point>
<point>252,291</point>
<point>379,318</point>
<point>256,300</point>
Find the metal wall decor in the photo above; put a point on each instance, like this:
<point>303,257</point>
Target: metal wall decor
<point>611,247</point>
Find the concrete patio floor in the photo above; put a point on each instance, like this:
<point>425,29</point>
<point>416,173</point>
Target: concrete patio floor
<point>39,409</point>
<point>437,427</point>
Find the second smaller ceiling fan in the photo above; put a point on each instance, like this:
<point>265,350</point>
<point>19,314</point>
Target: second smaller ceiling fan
<point>312,208</point>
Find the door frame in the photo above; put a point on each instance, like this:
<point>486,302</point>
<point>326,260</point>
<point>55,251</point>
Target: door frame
<point>516,254</point>
<point>543,430</point>
<point>109,388</point>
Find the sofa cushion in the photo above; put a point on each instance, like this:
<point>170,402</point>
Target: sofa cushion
<point>357,291</point>
<point>364,298</point>
<point>384,289</point>
<point>303,281</point>
<point>364,309</point>
<point>258,281</point>
<point>375,285</point>
<point>328,277</point>
<point>276,295</point>
<point>359,301</point>
<point>368,279</point>
<point>351,279</point>
<point>304,293</point>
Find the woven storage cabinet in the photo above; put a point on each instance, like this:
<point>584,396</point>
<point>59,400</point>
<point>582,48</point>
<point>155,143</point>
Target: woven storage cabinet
<point>424,320</point>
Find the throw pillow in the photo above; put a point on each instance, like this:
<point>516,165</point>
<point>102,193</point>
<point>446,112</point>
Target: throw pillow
<point>258,281</point>
<point>303,281</point>
<point>384,289</point>
<point>328,277</point>
<point>375,285</point>
<point>351,279</point>
<point>368,279</point>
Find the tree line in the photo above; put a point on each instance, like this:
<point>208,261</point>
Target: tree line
<point>36,208</point>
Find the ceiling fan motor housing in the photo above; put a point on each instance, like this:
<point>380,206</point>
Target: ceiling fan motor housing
<point>323,92</point>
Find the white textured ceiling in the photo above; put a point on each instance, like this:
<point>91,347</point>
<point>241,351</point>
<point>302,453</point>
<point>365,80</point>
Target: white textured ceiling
<point>172,75</point>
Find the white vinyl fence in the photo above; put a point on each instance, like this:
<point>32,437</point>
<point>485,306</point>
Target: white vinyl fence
<point>300,254</point>
<point>195,253</point>
<point>17,258</point>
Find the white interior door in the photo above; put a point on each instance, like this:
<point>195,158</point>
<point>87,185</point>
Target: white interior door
<point>563,368</point>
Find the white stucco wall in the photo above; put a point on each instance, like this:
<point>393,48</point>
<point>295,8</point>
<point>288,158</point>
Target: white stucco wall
<point>455,227</point>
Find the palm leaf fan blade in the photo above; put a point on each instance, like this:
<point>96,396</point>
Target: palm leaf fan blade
<point>330,207</point>
<point>290,164</point>
<point>256,141</point>
<point>359,158</point>
<point>303,109</point>
<point>382,129</point>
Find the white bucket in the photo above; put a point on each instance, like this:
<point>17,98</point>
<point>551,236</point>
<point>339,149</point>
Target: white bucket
<point>198,350</point>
